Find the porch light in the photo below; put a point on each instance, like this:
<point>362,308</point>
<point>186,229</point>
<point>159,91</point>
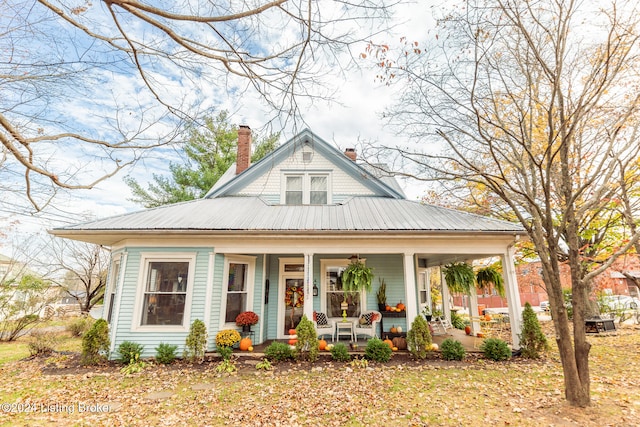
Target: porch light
<point>315,289</point>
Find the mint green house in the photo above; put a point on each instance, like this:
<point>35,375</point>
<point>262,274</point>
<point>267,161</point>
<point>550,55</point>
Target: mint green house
<point>273,238</point>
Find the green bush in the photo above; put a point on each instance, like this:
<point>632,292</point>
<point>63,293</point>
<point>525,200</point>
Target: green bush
<point>225,352</point>
<point>457,321</point>
<point>495,349</point>
<point>419,338</point>
<point>166,353</point>
<point>378,351</point>
<point>452,350</point>
<point>95,343</point>
<point>340,353</point>
<point>278,352</point>
<point>196,342</point>
<point>533,342</point>
<point>307,344</point>
<point>80,326</point>
<point>129,352</point>
<point>41,343</point>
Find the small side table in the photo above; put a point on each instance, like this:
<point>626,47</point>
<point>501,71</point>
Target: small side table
<point>344,328</point>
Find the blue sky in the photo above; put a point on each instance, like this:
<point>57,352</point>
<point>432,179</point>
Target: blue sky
<point>352,117</point>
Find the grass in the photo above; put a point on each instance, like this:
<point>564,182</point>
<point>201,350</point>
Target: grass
<point>438,393</point>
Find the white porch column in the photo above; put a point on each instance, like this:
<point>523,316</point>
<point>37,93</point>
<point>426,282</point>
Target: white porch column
<point>473,310</point>
<point>308,286</point>
<point>208,295</point>
<point>446,297</point>
<point>513,296</point>
<point>410,289</point>
<point>115,317</point>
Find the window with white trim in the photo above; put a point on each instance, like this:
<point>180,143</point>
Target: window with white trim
<point>164,297</point>
<point>334,296</point>
<point>306,188</point>
<point>239,276</point>
<point>115,275</point>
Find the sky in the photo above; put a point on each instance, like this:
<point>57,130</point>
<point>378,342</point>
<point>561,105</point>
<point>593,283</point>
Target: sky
<point>353,116</point>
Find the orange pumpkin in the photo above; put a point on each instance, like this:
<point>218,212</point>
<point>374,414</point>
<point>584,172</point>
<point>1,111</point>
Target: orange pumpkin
<point>293,341</point>
<point>487,317</point>
<point>400,306</point>
<point>389,343</point>
<point>480,335</point>
<point>467,330</point>
<point>400,343</point>
<point>387,308</point>
<point>245,343</point>
<point>292,331</point>
<point>393,329</point>
<point>322,345</point>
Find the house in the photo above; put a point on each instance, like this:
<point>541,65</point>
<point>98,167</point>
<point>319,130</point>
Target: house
<point>273,238</point>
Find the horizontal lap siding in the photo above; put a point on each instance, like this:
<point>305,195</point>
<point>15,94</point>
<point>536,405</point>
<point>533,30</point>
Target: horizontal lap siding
<point>389,267</point>
<point>151,339</point>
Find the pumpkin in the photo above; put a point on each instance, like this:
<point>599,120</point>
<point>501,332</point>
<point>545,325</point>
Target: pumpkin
<point>400,306</point>
<point>293,341</point>
<point>245,343</point>
<point>393,329</point>
<point>389,343</point>
<point>487,317</point>
<point>329,347</point>
<point>322,345</point>
<point>250,348</point>
<point>480,335</point>
<point>292,331</point>
<point>387,308</point>
<point>434,347</point>
<point>399,329</point>
<point>467,330</point>
<point>399,342</point>
<point>394,348</point>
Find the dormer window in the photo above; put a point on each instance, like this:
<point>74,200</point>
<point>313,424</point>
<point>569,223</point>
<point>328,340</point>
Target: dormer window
<point>306,188</point>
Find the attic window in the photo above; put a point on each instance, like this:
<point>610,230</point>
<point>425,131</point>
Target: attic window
<point>306,189</point>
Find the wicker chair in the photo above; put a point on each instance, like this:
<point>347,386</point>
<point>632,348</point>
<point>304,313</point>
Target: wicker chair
<point>367,326</point>
<point>323,325</point>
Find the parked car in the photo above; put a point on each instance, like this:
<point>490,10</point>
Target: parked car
<point>618,302</point>
<point>544,305</point>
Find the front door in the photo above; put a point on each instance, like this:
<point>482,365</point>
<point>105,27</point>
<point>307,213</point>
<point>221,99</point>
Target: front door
<point>291,291</point>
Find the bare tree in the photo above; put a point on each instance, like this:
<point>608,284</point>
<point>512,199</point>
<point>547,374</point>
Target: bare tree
<point>89,87</point>
<point>81,270</point>
<point>539,102</point>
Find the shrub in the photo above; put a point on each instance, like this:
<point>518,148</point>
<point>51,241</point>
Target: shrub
<point>196,342</point>
<point>80,326</point>
<point>307,344</point>
<point>495,349</point>
<point>419,338</point>
<point>452,350</point>
<point>129,352</point>
<point>533,342</point>
<point>377,350</point>
<point>135,365</point>
<point>225,352</point>
<point>340,353</point>
<point>41,343</point>
<point>166,353</point>
<point>264,365</point>
<point>278,352</point>
<point>95,343</point>
<point>457,321</point>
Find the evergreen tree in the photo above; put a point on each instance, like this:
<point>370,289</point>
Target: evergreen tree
<point>532,341</point>
<point>210,151</point>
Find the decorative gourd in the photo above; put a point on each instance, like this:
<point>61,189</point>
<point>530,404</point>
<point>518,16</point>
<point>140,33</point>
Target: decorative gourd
<point>400,343</point>
<point>400,306</point>
<point>393,329</point>
<point>399,329</point>
<point>394,348</point>
<point>322,345</point>
<point>245,343</point>
<point>434,347</point>
<point>389,343</point>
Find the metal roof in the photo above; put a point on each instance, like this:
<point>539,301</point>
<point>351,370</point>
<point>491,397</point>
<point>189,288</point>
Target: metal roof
<point>253,214</point>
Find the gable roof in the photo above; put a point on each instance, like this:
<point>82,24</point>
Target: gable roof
<point>230,183</point>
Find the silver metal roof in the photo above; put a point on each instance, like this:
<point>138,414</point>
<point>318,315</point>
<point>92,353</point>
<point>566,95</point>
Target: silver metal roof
<point>253,214</point>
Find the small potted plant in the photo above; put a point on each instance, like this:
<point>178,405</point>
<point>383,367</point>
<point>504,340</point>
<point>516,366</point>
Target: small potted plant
<point>381,295</point>
<point>246,319</point>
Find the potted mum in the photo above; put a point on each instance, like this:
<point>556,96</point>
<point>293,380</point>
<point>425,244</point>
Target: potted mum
<point>246,319</point>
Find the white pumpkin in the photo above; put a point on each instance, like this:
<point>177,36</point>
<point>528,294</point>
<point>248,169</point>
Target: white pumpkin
<point>434,347</point>
<point>399,329</point>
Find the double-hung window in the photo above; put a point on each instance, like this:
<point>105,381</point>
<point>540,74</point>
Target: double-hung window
<point>307,188</point>
<point>239,277</point>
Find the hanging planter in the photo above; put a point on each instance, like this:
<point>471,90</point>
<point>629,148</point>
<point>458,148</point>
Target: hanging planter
<point>356,277</point>
<point>460,277</point>
<point>489,277</point>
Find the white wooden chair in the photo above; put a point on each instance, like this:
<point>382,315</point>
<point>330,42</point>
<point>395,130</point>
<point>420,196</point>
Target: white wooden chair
<point>367,324</point>
<point>324,325</point>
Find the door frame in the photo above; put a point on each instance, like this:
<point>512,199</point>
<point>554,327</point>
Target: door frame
<point>282,279</point>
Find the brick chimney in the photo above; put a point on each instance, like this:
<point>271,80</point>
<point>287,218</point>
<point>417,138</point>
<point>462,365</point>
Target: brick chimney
<point>243,158</point>
<point>350,153</point>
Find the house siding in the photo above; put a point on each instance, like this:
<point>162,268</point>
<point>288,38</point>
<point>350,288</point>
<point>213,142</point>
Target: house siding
<point>269,186</point>
<point>125,321</point>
